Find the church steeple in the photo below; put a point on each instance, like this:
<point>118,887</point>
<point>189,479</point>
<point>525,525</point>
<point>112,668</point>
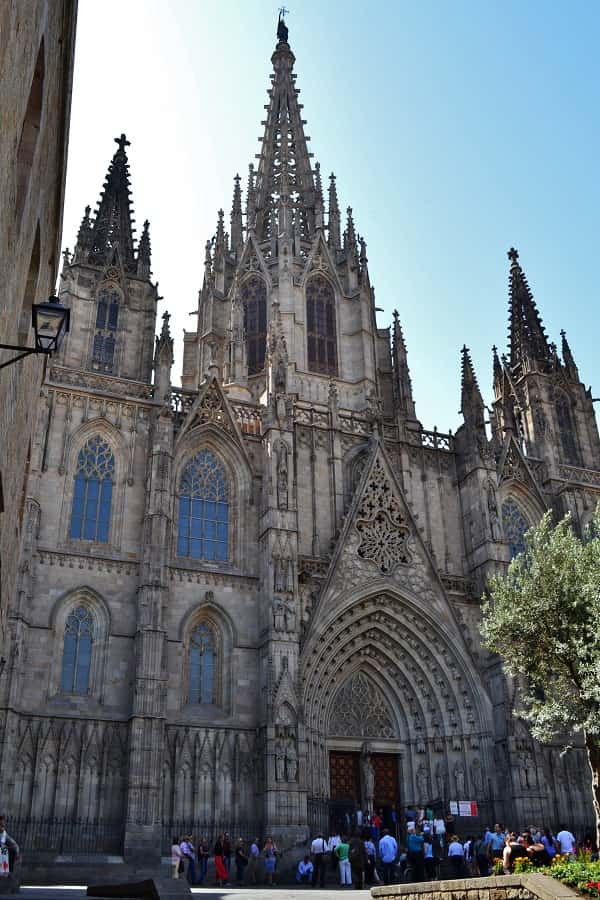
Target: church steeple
<point>528,342</point>
<point>237,236</point>
<point>113,222</point>
<point>568,358</point>
<point>284,180</point>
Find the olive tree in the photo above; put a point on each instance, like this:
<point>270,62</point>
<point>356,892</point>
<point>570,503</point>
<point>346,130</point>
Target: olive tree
<point>543,618</point>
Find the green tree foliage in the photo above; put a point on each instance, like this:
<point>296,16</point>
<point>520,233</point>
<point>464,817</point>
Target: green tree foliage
<point>543,619</point>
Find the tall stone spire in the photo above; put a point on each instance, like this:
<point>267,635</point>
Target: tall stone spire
<point>284,179</point>
<point>237,235</point>
<point>333,233</point>
<point>568,358</point>
<point>527,338</point>
<point>113,221</point>
<point>144,252</point>
<point>402,384</point>
<point>471,403</point>
<point>84,237</point>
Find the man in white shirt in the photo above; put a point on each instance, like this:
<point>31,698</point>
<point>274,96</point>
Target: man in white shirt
<point>318,849</point>
<point>566,841</point>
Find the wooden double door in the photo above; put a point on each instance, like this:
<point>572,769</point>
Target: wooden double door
<point>344,779</point>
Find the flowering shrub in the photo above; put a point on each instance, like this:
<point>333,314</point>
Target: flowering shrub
<point>580,873</point>
<point>523,864</point>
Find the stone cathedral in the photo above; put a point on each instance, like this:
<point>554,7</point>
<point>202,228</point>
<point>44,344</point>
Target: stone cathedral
<point>237,594</point>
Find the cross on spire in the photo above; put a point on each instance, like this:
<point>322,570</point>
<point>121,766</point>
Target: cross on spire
<point>513,254</point>
<point>122,142</point>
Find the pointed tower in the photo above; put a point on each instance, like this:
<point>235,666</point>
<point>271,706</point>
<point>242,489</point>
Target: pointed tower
<point>115,336</point>
<point>529,348</point>
<point>237,235</point>
<point>471,402</point>
<point>403,397</point>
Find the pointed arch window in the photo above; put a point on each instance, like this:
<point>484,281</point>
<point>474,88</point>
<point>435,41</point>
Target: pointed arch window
<point>320,326</point>
<point>107,320</point>
<point>203,521</point>
<point>515,525</point>
<point>568,441</point>
<point>92,495</point>
<point>203,664</point>
<point>254,298</point>
<point>77,651</point>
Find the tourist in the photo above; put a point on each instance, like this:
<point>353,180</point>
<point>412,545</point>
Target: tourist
<point>513,849</point>
<point>203,853</point>
<point>456,855</point>
<point>498,841</point>
<point>439,829</point>
<point>334,840</point>
<point>429,858</point>
<point>416,855</point>
<point>388,852</point>
<point>468,857</point>
<point>549,842</point>
<point>566,842</point>
<point>221,873</point>
<point>241,861</point>
<point>227,851</point>
<point>341,853</point>
<point>253,870</point>
<point>376,823</point>
<point>535,850</point>
<point>176,855</point>
<point>318,850</point>
<point>189,858</point>
<point>370,870</point>
<point>482,852</point>
<point>270,856</point>
<point>304,871</point>
<point>358,860</point>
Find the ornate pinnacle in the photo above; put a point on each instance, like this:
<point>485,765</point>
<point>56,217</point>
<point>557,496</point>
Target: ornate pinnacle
<point>144,251</point>
<point>236,215</point>
<point>333,236</point>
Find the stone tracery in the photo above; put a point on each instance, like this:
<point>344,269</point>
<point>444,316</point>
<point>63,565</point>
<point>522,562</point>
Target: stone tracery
<point>360,710</point>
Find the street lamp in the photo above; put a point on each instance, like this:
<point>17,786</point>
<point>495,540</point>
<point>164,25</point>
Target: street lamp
<point>50,321</point>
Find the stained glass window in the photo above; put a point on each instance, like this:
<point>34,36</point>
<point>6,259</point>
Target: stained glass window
<point>515,525</point>
<point>254,298</point>
<point>568,441</point>
<point>107,318</point>
<point>202,665</point>
<point>77,652</point>
<point>320,326</point>
<point>203,531</point>
<point>92,495</point>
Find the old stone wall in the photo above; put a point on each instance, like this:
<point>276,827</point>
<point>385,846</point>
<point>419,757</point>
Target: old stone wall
<point>504,887</point>
<point>36,66</point>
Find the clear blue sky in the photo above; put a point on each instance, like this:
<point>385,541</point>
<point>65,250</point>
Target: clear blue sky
<point>455,129</point>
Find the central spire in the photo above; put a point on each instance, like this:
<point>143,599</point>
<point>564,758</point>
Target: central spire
<point>113,222</point>
<point>285,190</point>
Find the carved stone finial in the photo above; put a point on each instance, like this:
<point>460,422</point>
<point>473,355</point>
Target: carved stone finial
<point>513,255</point>
<point>282,29</point>
<point>122,142</point>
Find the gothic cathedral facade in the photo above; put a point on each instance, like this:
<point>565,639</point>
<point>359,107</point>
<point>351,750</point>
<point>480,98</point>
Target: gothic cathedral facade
<point>232,589</point>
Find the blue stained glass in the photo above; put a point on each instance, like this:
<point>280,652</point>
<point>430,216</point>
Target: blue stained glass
<point>101,314</point>
<point>77,652</point>
<point>201,663</point>
<point>92,493</point>
<point>515,525</point>
<point>203,509</point>
<point>113,315</point>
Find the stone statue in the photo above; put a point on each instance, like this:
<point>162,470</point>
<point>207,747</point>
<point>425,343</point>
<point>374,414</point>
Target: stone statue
<point>440,780</point>
<point>279,760</point>
<point>282,30</point>
<point>291,760</point>
<point>278,614</point>
<point>423,783</point>
<point>368,778</point>
<point>493,513</point>
<point>477,777</point>
<point>290,616</point>
<point>459,779</point>
<point>282,476</point>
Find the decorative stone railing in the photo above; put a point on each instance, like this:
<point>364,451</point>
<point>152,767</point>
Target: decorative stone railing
<point>503,887</point>
<point>583,476</point>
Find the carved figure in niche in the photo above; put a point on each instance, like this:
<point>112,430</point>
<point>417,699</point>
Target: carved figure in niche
<point>493,513</point>
<point>422,782</point>
<point>279,610</point>
<point>368,778</point>
<point>279,760</point>
<point>290,616</point>
<point>281,377</point>
<point>459,780</point>
<point>477,777</point>
<point>291,759</point>
<point>282,476</point>
<point>279,573</point>
<point>441,780</point>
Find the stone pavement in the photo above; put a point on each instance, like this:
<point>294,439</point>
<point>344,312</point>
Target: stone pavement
<point>59,892</point>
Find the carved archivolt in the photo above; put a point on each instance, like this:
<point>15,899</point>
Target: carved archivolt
<point>360,710</point>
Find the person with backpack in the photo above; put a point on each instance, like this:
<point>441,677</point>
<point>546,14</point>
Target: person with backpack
<point>358,860</point>
<point>416,855</point>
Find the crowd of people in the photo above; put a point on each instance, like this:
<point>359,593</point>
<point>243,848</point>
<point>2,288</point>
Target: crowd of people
<point>242,863</point>
<point>367,858</point>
